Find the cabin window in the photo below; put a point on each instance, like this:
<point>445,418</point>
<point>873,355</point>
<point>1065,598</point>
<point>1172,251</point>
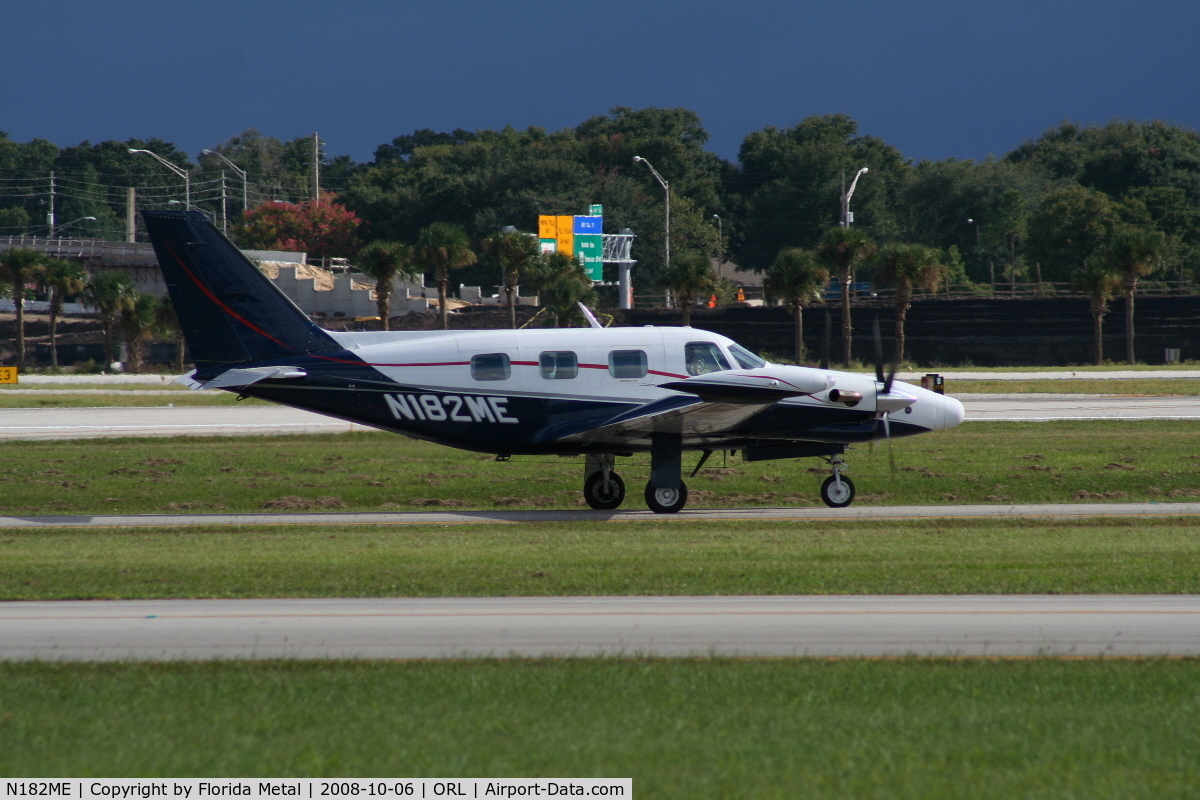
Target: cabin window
<point>704,357</point>
<point>558,365</point>
<point>746,359</point>
<point>627,363</point>
<point>490,367</point>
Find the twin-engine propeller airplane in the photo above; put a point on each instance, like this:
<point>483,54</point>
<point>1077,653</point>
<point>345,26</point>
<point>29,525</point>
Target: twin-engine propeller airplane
<point>596,392</point>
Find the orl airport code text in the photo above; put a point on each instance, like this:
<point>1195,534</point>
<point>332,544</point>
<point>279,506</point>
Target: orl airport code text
<point>310,788</point>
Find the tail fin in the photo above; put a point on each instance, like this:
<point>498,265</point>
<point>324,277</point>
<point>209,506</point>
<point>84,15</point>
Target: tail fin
<point>228,310</point>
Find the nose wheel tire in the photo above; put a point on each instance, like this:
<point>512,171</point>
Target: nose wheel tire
<point>666,501</point>
<point>601,497</point>
<point>836,496</point>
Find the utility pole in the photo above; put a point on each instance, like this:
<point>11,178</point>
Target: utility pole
<point>316,169</point>
<point>50,213</point>
<point>224,212</point>
<point>130,214</point>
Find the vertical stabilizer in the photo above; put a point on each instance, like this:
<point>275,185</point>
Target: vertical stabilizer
<point>229,311</point>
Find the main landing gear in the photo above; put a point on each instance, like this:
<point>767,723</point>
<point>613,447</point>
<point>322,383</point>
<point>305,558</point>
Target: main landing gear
<point>662,500</point>
<point>666,493</point>
<point>837,491</point>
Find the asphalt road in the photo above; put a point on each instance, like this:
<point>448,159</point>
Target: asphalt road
<point>84,423</point>
<point>782,626</point>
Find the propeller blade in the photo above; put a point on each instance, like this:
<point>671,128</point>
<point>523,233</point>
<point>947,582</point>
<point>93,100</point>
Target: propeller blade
<point>825,342</point>
<point>886,380</point>
<point>878,351</point>
<point>887,433</point>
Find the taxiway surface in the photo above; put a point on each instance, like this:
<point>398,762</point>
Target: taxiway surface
<point>84,423</point>
<point>855,512</point>
<point>780,626</point>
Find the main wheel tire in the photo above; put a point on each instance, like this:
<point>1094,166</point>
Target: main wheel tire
<point>600,497</point>
<point>836,497</point>
<point>666,501</point>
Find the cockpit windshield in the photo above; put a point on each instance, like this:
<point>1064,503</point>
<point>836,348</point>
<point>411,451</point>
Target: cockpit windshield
<point>704,357</point>
<point>746,359</point>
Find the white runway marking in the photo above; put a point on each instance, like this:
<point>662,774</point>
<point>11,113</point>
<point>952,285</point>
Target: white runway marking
<point>781,626</point>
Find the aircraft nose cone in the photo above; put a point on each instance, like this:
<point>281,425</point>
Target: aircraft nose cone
<point>953,412</point>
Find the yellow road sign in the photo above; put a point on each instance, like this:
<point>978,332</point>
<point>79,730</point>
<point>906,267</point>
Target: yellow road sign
<point>8,375</point>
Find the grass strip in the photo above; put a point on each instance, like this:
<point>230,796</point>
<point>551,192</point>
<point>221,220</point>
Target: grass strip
<point>997,462</point>
<point>1168,387</point>
<point>679,728</point>
<point>672,557</point>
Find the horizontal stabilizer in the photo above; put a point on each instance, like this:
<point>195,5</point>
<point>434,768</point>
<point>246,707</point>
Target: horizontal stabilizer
<point>241,377</point>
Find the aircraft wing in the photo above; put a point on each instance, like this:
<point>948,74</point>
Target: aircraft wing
<point>708,405</point>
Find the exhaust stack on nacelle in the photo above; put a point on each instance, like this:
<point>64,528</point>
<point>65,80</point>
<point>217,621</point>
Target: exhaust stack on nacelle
<point>851,399</point>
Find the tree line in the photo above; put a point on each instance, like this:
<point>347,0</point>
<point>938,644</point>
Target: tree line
<point>127,315</point>
<point>1077,205</point>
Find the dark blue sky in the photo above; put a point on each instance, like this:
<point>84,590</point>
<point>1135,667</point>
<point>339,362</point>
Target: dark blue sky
<point>935,79</point>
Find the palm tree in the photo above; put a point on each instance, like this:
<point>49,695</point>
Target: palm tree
<point>907,267</point>
<point>111,292</point>
<point>443,247</point>
<point>59,278</point>
<point>385,261</point>
<point>19,267</point>
<point>561,283</point>
<point>1097,280</point>
<point>137,323</point>
<point>1132,253</point>
<point>512,252</point>
<point>689,276</point>
<point>842,250</point>
<point>796,278</point>
<point>166,325</point>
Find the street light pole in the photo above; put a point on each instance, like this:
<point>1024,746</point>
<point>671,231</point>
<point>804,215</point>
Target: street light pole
<point>667,225</point>
<point>187,178</point>
<point>238,170</point>
<point>844,221</point>
<point>54,233</point>
<point>991,266</point>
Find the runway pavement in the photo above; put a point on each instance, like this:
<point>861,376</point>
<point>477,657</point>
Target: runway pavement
<point>84,423</point>
<point>1050,407</point>
<point>855,512</point>
<point>782,626</point>
<point>91,423</point>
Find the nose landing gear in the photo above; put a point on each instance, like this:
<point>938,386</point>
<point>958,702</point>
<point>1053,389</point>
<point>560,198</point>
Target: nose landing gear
<point>837,491</point>
<point>603,488</point>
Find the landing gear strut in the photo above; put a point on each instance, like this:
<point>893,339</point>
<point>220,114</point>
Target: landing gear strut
<point>666,492</point>
<point>603,488</point>
<point>837,491</point>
